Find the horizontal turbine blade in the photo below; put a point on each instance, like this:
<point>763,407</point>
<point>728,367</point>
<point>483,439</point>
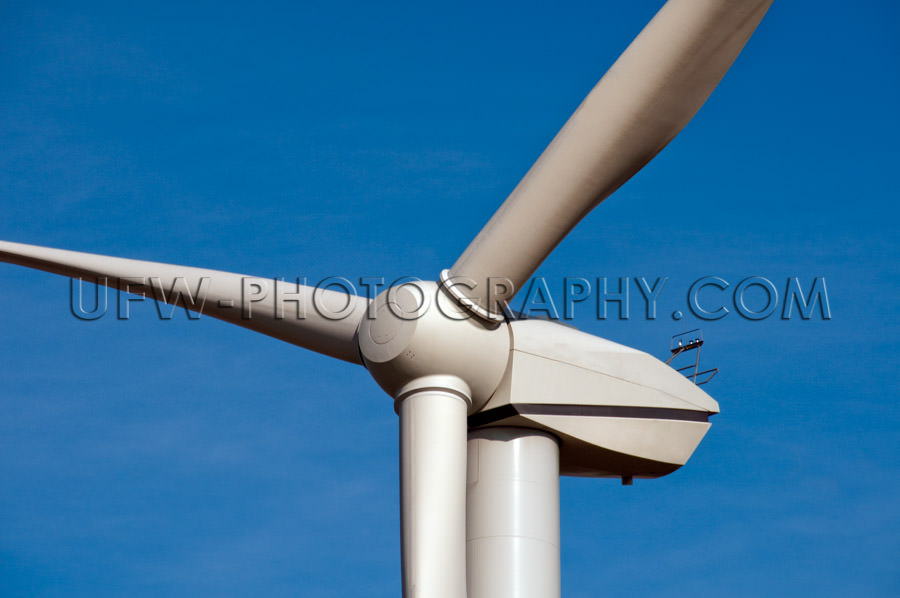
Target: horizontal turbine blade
<point>321,320</point>
<point>650,93</point>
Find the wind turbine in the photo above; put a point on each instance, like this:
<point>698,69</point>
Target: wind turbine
<point>493,409</point>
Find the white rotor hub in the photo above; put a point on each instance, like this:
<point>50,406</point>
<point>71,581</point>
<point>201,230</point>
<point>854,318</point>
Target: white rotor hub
<point>417,330</point>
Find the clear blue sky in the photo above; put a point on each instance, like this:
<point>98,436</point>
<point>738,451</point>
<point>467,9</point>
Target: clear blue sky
<point>193,458</point>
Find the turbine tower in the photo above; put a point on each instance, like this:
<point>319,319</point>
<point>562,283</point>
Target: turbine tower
<point>493,409</point>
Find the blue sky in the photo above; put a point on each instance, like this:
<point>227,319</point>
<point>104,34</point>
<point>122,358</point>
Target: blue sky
<point>188,458</point>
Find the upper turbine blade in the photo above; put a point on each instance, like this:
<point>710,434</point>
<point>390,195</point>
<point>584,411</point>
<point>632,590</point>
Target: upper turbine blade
<point>322,320</point>
<point>650,93</point>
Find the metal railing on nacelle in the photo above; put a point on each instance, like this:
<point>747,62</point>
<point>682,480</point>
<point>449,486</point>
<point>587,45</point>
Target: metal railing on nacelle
<point>691,340</point>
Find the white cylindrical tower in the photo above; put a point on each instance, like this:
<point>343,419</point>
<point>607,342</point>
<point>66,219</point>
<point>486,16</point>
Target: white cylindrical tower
<point>512,502</point>
<point>432,495</point>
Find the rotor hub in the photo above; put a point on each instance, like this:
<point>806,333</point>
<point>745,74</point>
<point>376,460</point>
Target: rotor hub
<point>417,330</point>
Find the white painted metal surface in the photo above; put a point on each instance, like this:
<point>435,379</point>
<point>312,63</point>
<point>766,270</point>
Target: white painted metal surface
<point>590,366</point>
<point>512,528</point>
<point>433,487</point>
<point>617,411</point>
<point>417,330</point>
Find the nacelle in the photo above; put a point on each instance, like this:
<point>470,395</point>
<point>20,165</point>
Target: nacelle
<point>617,411</point>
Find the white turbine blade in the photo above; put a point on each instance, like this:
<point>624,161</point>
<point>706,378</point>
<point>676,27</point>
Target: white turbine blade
<point>650,93</point>
<point>322,320</point>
